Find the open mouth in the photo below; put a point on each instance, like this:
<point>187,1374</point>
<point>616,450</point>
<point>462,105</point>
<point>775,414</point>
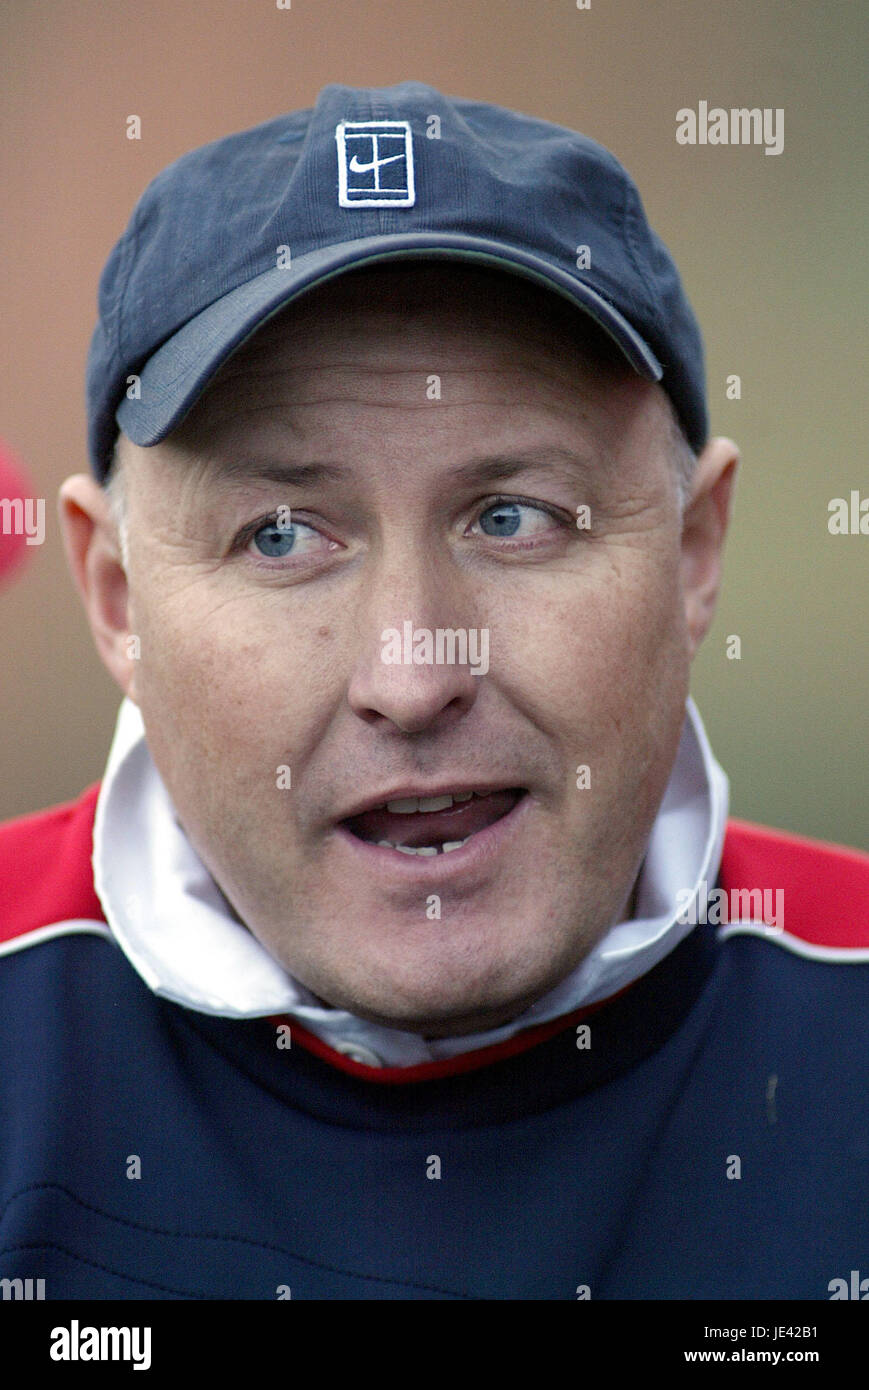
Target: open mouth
<point>433,824</point>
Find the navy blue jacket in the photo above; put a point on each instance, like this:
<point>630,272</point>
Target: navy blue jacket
<point>712,1141</point>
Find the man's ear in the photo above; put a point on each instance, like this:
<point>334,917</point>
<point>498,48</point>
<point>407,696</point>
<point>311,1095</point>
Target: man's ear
<point>93,552</point>
<point>704,527</point>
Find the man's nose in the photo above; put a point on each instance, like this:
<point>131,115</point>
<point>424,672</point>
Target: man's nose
<point>418,646</point>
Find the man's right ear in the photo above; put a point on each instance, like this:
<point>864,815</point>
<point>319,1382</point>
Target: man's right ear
<point>93,552</point>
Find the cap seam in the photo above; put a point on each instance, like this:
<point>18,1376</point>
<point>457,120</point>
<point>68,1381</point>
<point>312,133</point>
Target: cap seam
<point>129,250</point>
<point>630,214</point>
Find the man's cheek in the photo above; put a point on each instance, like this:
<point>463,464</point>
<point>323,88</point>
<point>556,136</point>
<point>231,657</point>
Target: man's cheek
<point>241,741</point>
<point>584,654</point>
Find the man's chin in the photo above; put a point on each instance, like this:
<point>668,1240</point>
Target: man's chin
<point>445,1018</point>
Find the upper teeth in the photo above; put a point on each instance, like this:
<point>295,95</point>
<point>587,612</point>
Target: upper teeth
<point>407,805</point>
<point>425,849</point>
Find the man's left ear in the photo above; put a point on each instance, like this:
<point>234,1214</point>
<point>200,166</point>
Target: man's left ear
<point>704,527</point>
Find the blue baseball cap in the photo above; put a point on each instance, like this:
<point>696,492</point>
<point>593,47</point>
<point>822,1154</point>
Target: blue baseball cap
<point>232,232</point>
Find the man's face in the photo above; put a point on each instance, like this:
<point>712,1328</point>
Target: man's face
<point>459,431</point>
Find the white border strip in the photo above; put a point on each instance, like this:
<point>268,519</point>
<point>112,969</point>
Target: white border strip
<point>40,934</point>
<point>834,955</point>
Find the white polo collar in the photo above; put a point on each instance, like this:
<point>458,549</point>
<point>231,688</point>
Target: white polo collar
<point>175,927</point>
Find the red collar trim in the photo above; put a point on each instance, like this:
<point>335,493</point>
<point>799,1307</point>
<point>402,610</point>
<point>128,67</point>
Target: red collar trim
<point>45,868</point>
<point>446,1066</point>
<point>825,887</point>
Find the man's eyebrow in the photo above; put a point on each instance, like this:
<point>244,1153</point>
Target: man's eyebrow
<point>494,468</point>
<point>485,468</point>
<point>243,470</point>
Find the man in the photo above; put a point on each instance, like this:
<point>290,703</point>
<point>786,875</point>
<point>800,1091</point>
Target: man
<point>384,960</point>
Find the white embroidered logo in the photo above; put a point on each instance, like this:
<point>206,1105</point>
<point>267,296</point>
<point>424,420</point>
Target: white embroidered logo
<point>375,164</point>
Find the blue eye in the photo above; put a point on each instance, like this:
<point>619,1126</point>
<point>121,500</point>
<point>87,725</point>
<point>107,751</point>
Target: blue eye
<point>508,517</point>
<point>278,538</point>
<point>275,541</point>
<point>504,519</point>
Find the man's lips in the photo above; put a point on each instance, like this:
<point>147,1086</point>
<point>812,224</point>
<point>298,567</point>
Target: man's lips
<point>465,856</point>
<point>449,825</point>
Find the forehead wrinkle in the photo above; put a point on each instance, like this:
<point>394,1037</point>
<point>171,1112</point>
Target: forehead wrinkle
<point>237,421</point>
<point>270,459</point>
<point>481,469</point>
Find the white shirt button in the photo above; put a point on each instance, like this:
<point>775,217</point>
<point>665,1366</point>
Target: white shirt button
<point>357,1053</point>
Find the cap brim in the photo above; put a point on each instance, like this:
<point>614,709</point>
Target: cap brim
<point>178,372</point>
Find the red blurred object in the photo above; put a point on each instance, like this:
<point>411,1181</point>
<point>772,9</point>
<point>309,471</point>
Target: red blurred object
<point>14,484</point>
